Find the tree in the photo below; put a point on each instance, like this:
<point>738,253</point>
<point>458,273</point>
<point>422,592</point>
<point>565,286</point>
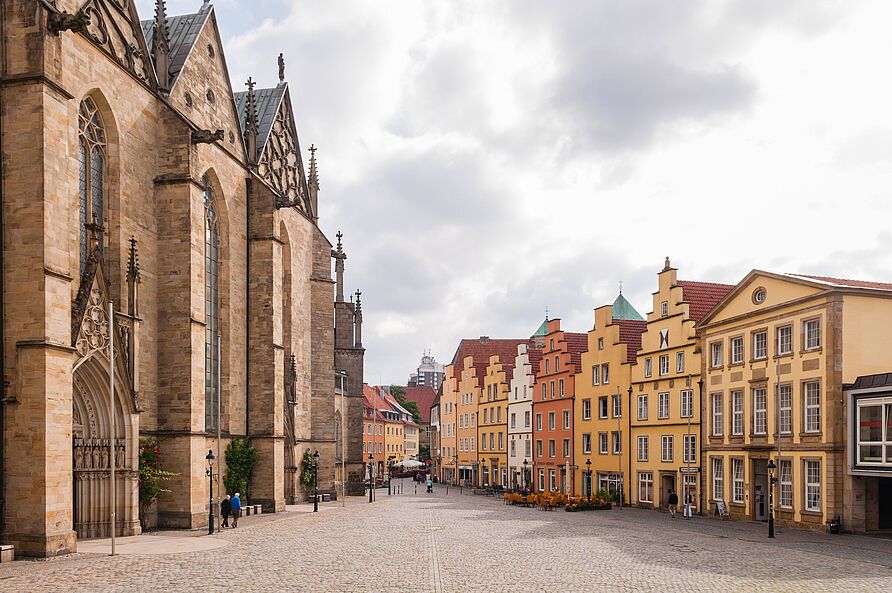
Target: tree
<point>411,407</point>
<point>241,458</point>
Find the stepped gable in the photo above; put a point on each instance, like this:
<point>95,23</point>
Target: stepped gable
<point>184,30</point>
<point>577,343</point>
<point>702,296</point>
<point>630,332</point>
<point>481,349</point>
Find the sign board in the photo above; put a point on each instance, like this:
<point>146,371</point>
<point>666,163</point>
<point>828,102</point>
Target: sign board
<point>721,509</point>
<point>690,470</point>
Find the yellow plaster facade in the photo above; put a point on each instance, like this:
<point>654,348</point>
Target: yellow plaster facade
<point>492,415</point>
<point>466,409</point>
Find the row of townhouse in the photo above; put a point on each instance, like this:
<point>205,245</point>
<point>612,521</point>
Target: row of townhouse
<point>389,432</point>
<point>720,388</point>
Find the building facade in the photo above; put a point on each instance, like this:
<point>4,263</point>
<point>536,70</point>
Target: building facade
<point>665,419</point>
<point>520,415</point>
<point>152,213</point>
<point>553,462</point>
<point>601,412</point>
<point>429,373</point>
<point>780,351</point>
<point>448,462</point>
<point>492,415</point>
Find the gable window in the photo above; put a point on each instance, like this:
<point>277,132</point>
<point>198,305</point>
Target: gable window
<point>544,391</point>
<point>547,366</point>
<point>642,407</point>
<point>600,343</point>
<point>602,407</point>
<point>664,308</point>
<point>760,345</point>
<point>648,367</point>
<point>596,375</point>
<point>812,396</point>
<point>737,350</point>
<point>760,424</point>
<point>664,364</point>
<point>663,406</point>
<point>91,161</point>
<point>561,387</point>
<point>679,362</point>
<point>586,409</point>
<point>715,354</point>
<point>785,340</point>
<point>211,309</point>
<point>605,374</point>
<point>812,330</point>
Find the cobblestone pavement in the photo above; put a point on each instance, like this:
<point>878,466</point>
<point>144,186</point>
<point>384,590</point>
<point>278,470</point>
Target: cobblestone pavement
<point>463,543</point>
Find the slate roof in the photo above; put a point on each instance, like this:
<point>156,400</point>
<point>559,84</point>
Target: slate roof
<point>183,30</point>
<point>481,349</point>
<point>845,282</point>
<point>424,396</point>
<point>542,331</point>
<point>630,331</point>
<point>267,102</point>
<point>623,309</point>
<point>702,296</point>
<point>873,381</point>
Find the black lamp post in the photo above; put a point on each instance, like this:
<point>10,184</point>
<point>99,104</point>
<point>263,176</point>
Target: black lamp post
<point>371,478</point>
<point>526,484</point>
<point>390,474</point>
<point>588,475</point>
<point>316,482</point>
<point>771,481</point>
<point>209,472</point>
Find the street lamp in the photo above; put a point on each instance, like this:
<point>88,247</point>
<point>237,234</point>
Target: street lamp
<point>525,482</point>
<point>771,482</point>
<point>209,472</point>
<point>371,478</point>
<point>390,474</point>
<point>316,481</point>
<point>588,475</point>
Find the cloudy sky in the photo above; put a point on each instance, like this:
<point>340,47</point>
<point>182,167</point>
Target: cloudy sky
<point>488,159</point>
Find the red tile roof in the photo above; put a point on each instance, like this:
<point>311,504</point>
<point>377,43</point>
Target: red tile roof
<point>847,282</point>
<point>481,349</point>
<point>373,400</point>
<point>702,296</point>
<point>424,396</point>
<point>535,357</point>
<point>577,343</point>
<point>630,331</point>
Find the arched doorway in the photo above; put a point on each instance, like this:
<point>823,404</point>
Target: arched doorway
<point>95,445</point>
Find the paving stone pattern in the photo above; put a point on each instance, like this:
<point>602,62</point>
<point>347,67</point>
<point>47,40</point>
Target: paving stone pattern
<point>464,543</point>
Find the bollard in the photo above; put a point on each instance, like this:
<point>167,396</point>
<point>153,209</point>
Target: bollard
<point>416,486</point>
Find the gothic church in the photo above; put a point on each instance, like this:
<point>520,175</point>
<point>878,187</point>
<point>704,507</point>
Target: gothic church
<point>136,181</point>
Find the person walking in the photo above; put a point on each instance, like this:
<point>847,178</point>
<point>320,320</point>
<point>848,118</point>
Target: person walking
<point>673,503</point>
<point>430,485</point>
<point>225,510</point>
<point>235,505</point>
<point>688,505</point>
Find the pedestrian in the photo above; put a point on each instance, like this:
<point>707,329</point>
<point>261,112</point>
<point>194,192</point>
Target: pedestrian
<point>430,485</point>
<point>225,510</point>
<point>673,503</point>
<point>235,505</point>
<point>688,505</point>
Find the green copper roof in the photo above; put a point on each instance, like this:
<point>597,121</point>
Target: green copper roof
<point>623,309</point>
<point>542,331</point>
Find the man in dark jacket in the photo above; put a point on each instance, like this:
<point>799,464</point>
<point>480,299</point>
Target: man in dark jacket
<point>225,509</point>
<point>673,503</point>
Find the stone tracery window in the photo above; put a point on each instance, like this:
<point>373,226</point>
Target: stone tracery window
<point>91,160</point>
<point>212,309</point>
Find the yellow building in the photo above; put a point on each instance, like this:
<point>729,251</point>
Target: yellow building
<point>492,415</point>
<point>665,419</point>
<point>779,352</point>
<point>448,462</point>
<point>600,418</point>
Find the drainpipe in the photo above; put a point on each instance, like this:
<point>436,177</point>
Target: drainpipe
<point>2,304</point>
<point>248,184</point>
<point>700,446</point>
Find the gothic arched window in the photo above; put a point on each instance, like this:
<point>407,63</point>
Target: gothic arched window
<point>212,309</point>
<point>91,158</point>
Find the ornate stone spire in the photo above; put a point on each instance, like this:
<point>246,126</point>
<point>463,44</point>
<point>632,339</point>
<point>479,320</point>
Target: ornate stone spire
<point>161,46</point>
<point>281,68</point>
<point>313,183</point>
<point>251,124</point>
<point>339,257</point>
<point>357,319</point>
<point>133,279</point>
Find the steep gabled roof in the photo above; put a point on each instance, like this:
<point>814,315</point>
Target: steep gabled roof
<point>623,309</point>
<point>702,296</point>
<point>267,102</point>
<point>535,356</point>
<point>577,343</point>
<point>542,331</point>
<point>184,30</point>
<point>481,349</point>
<point>630,332</point>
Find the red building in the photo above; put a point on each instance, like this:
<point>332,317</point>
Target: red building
<point>553,396</point>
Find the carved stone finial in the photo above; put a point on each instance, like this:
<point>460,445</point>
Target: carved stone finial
<point>340,236</point>
<point>620,286</point>
<point>133,262</point>
<point>56,22</point>
<point>359,301</point>
<point>281,68</point>
<point>161,46</point>
<point>207,136</point>
<point>251,125</point>
<point>314,171</point>
<point>667,266</point>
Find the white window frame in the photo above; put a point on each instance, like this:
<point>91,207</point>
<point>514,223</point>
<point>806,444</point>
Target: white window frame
<point>785,480</point>
<point>760,411</point>
<point>587,409</point>
<point>646,480</point>
<point>737,477</point>
<point>602,407</point>
<point>689,454</point>
<point>664,309</point>
<point>738,415</point>
<point>664,404</point>
<point>784,346</point>
<point>596,375</point>
<point>811,331</point>
<point>617,442</point>
<point>687,403</point>
<point>617,406</point>
<point>715,355</point>
<point>760,345</point>
<point>664,364</point>
<point>648,367</point>
<point>586,443</point>
<point>736,346</point>
<point>539,422</point>
<point>785,409</point>
<point>552,448</point>
<point>667,448</point>
<point>642,447</point>
<point>812,477</point>
<point>566,419</point>
<point>642,406</point>
<point>603,443</point>
<point>679,362</point>
<point>605,374</point>
<point>718,413</point>
<point>811,422</point>
<point>718,478</point>
<point>552,421</point>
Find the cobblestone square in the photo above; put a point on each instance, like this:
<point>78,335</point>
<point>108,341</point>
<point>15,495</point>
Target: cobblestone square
<point>465,543</point>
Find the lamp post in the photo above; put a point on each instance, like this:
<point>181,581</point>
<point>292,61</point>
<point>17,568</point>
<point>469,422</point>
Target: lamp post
<point>771,481</point>
<point>371,478</point>
<point>316,481</point>
<point>525,481</point>
<point>622,476</point>
<point>588,475</point>
<point>209,472</point>
<point>390,474</point>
